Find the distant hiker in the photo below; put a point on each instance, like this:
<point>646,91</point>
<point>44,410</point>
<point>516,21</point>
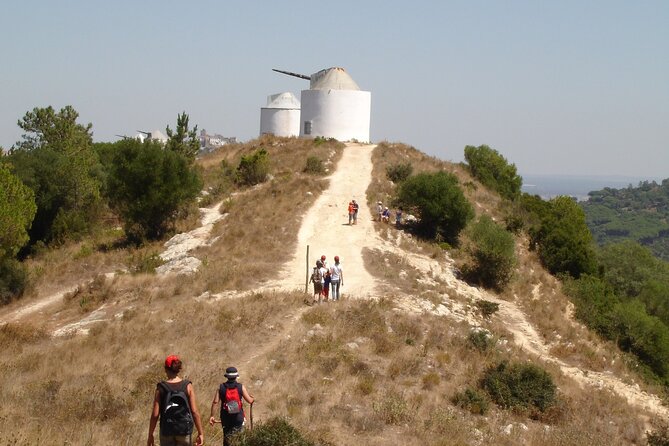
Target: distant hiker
<point>229,395</point>
<point>324,262</point>
<point>398,218</point>
<point>174,403</point>
<point>350,213</point>
<point>356,207</point>
<point>385,216</point>
<point>317,279</point>
<point>336,278</point>
<point>379,210</point>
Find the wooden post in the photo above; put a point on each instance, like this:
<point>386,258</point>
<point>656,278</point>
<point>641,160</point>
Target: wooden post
<point>306,280</point>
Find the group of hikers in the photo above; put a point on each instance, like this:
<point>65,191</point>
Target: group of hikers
<point>324,277</point>
<point>175,406</point>
<point>383,214</point>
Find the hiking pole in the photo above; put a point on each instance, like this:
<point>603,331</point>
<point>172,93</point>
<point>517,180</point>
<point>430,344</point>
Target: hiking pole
<point>306,280</point>
<point>251,410</point>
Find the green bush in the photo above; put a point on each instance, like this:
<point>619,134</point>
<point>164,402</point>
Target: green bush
<point>519,386</point>
<point>493,170</point>
<point>17,210</point>
<point>253,169</point>
<point>13,280</point>
<point>314,165</point>
<point>563,239</point>
<point>644,335</point>
<point>399,172</point>
<point>276,431</point>
<point>147,185</point>
<point>471,400</point>
<point>439,204</point>
<point>492,252</point>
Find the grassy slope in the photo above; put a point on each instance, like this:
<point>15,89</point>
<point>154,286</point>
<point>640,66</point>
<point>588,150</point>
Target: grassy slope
<point>355,369</point>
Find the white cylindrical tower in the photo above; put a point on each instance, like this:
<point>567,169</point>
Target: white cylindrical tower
<point>281,116</point>
<point>335,107</point>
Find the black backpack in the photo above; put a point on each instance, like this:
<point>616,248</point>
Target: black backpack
<point>316,275</point>
<point>175,414</point>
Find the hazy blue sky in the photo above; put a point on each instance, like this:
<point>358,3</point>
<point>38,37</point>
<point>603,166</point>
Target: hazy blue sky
<point>562,87</point>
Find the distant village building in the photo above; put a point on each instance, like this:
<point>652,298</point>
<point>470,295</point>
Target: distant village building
<point>332,107</point>
<point>211,142</point>
<point>281,116</point>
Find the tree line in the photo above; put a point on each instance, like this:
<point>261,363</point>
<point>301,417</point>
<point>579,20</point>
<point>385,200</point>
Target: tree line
<point>56,184</point>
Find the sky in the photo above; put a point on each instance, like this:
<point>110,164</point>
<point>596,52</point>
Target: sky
<point>557,87</point>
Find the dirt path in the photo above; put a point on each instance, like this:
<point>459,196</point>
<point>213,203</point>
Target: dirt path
<point>325,227</point>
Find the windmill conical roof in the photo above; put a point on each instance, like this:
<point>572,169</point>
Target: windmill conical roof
<point>283,100</point>
<point>334,78</point>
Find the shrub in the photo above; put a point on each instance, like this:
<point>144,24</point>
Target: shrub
<point>563,239</point>
<point>314,165</point>
<point>659,436</point>
<point>487,308</point>
<point>437,200</point>
<point>13,280</point>
<point>399,172</point>
<point>253,169</point>
<point>148,185</point>
<point>493,170</point>
<point>492,252</point>
<point>393,409</point>
<point>276,431</point>
<point>472,400</point>
<point>519,386</point>
<point>481,340</point>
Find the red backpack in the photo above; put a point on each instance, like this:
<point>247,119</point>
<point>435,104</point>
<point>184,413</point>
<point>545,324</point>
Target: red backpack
<point>231,398</point>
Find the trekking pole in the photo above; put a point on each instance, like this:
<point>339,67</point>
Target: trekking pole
<point>306,280</point>
<point>251,416</point>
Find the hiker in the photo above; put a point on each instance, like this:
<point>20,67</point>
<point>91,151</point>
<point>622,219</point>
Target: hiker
<point>385,217</point>
<point>326,279</point>
<point>229,395</point>
<point>398,218</point>
<point>350,213</point>
<point>324,262</point>
<point>356,207</point>
<point>379,210</point>
<point>336,278</point>
<point>174,403</point>
<point>317,279</point>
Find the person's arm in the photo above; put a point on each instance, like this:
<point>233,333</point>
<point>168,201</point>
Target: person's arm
<point>247,396</point>
<point>214,406</point>
<point>155,412</point>
<point>341,277</point>
<point>196,415</point>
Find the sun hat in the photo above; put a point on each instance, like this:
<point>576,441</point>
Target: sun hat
<point>323,257</point>
<point>231,373</point>
<point>171,359</point>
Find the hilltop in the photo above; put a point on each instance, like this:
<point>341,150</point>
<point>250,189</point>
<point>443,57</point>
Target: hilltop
<point>390,363</point>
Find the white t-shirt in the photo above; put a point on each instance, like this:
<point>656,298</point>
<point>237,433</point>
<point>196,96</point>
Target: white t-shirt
<point>335,272</point>
<point>323,272</point>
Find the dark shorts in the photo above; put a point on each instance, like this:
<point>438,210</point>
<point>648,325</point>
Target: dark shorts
<point>318,287</point>
<point>175,440</point>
